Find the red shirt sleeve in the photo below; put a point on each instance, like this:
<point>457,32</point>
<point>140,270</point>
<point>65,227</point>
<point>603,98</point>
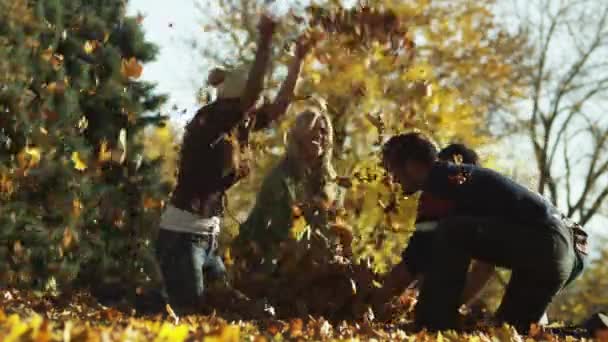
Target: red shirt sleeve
<point>431,208</point>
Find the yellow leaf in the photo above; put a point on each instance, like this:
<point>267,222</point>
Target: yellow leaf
<point>76,207</point>
<point>68,238</point>
<point>230,333</point>
<point>78,163</point>
<point>316,77</point>
<point>29,157</point>
<point>83,123</point>
<point>228,260</point>
<point>298,228</point>
<point>131,68</point>
<point>18,328</point>
<point>168,332</point>
<point>104,153</point>
<point>47,54</point>
<point>89,47</point>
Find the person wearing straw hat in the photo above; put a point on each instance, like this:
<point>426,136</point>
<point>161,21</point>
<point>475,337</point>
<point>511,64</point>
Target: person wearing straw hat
<point>210,163</point>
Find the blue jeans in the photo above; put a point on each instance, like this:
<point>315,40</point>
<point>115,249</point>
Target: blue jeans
<point>184,260</point>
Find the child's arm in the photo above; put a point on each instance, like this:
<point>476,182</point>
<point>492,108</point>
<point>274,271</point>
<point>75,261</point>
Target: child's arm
<point>270,112</point>
<point>255,80</point>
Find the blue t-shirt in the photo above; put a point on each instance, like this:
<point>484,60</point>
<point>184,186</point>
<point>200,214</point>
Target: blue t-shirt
<point>480,192</point>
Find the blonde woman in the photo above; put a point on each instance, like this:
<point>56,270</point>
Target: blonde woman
<point>300,184</point>
<point>300,187</point>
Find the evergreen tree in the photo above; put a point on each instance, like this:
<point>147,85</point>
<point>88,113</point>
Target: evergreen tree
<point>79,201</point>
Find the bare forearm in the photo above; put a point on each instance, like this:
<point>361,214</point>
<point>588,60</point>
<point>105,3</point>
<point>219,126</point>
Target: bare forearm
<point>286,93</point>
<point>255,80</point>
<point>477,279</point>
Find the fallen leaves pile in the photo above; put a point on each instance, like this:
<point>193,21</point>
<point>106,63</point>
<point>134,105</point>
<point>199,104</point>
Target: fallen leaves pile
<point>25,316</point>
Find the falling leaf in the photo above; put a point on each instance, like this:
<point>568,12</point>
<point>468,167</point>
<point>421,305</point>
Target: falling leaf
<point>47,54</point>
<point>89,46</point>
<point>104,153</point>
<point>76,207</point>
<point>131,68</point>
<point>68,238</point>
<point>29,157</point>
<point>56,61</point>
<point>79,164</point>
<point>122,140</point>
<point>56,87</point>
<point>296,211</point>
<point>83,124</point>
<point>152,203</point>
<point>6,185</point>
<point>18,248</point>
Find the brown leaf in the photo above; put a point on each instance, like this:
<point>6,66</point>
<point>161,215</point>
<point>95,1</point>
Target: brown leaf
<point>296,327</point>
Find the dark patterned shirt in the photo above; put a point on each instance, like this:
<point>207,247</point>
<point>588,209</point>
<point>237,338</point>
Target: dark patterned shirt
<point>211,158</point>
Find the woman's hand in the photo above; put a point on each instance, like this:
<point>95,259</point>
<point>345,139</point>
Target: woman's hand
<point>266,26</point>
<point>305,43</point>
<point>303,46</point>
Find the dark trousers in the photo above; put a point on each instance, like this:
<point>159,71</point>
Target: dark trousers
<point>541,258</point>
<point>184,259</point>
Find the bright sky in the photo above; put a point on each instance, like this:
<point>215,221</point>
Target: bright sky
<point>177,70</point>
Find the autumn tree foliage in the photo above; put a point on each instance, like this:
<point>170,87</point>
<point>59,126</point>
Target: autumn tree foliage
<point>78,201</point>
<point>443,67</point>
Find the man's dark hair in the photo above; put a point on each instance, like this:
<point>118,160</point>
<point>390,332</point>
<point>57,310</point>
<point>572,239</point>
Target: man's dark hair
<point>410,146</point>
<point>450,153</point>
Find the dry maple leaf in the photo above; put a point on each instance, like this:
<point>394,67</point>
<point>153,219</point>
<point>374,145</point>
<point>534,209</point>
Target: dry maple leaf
<point>131,68</point>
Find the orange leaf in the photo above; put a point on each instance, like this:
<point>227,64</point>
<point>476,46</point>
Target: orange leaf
<point>131,68</point>
<point>68,238</point>
<point>152,203</point>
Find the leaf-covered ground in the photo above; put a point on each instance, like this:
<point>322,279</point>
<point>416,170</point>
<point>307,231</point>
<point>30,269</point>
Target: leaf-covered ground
<point>25,316</point>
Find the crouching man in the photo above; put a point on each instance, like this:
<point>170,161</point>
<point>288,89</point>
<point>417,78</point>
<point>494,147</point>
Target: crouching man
<point>493,220</point>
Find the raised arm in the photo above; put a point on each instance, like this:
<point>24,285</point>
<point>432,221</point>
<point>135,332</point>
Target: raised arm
<point>255,80</point>
<point>270,112</point>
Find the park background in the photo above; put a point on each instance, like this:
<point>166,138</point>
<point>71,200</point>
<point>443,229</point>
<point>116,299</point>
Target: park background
<point>86,174</point>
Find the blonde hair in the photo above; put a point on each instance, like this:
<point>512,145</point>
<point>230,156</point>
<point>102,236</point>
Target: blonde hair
<point>323,173</point>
